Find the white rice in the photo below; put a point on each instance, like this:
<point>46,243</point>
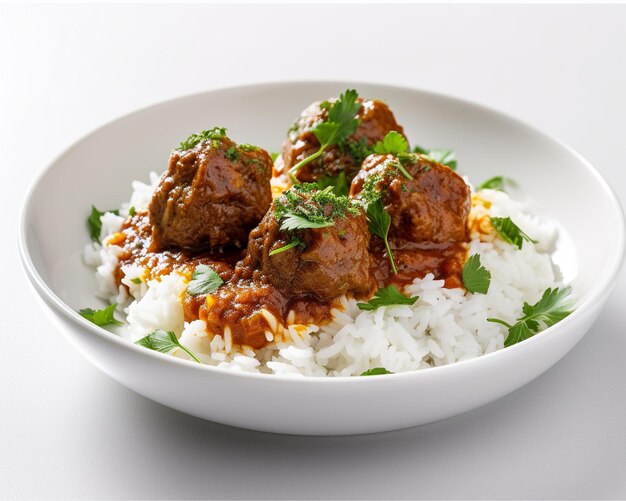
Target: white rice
<point>442,327</point>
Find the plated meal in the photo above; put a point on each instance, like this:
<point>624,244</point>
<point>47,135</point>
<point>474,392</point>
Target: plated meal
<point>352,252</point>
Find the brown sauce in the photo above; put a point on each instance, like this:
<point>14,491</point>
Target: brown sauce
<point>237,306</point>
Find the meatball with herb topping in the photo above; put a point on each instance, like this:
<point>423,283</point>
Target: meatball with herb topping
<point>345,129</point>
<point>426,201</point>
<point>212,194</point>
<point>313,243</point>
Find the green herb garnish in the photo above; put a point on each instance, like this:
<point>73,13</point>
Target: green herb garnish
<point>377,371</point>
<point>340,124</point>
<point>232,154</point>
<point>496,183</point>
<point>101,317</point>
<point>510,232</point>
<point>274,156</point>
<point>216,133</point>
<point>476,278</point>
<point>294,243</point>
<point>339,183</point>
<point>95,225</point>
<point>164,342</point>
<point>358,150</point>
<point>442,156</point>
<point>554,306</point>
<point>388,296</point>
<point>303,206</point>
<point>204,280</point>
<point>132,211</point>
<point>378,222</point>
<point>392,144</point>
<point>136,280</point>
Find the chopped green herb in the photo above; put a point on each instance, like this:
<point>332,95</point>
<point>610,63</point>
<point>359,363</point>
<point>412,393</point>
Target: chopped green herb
<point>294,243</point>
<point>445,157</point>
<point>340,124</point>
<point>304,206</point>
<point>554,306</point>
<point>339,183</point>
<point>377,371</point>
<point>510,232</point>
<point>232,154</point>
<point>378,222</point>
<point>388,296</point>
<point>496,183</point>
<point>392,144</point>
<point>164,342</point>
<point>216,133</point>
<point>95,224</point>
<point>204,280</point>
<point>101,317</point>
<point>398,165</point>
<point>274,156</point>
<point>476,278</point>
<point>136,280</point>
<point>132,212</point>
<point>248,147</point>
<point>359,150</point>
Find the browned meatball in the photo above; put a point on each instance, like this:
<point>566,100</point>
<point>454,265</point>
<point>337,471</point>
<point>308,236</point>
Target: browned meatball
<point>376,120</point>
<point>325,261</point>
<point>213,193</point>
<point>431,207</point>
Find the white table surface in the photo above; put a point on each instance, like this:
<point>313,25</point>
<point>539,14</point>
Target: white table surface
<point>68,431</point>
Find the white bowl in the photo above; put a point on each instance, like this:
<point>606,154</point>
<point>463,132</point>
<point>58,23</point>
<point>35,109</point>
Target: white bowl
<point>99,169</point>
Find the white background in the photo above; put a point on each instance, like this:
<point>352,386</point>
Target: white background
<point>66,430</point>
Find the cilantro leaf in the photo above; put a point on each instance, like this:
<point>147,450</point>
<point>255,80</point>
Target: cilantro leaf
<point>510,232</point>
<point>340,124</point>
<point>377,371</point>
<point>476,278</point>
<point>496,183</point>
<point>554,305</point>
<point>294,243</point>
<point>378,222</point>
<point>297,222</point>
<point>388,296</point>
<point>164,342</point>
<point>101,317</point>
<point>442,156</point>
<point>95,224</point>
<point>204,280</point>
<point>216,133</point>
<point>392,144</point>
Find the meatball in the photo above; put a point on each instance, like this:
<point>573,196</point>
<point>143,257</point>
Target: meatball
<point>376,120</point>
<point>212,194</point>
<point>313,243</point>
<point>427,201</point>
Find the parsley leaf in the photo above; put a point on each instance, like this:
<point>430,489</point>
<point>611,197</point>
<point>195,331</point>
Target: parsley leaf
<point>294,243</point>
<point>388,296</point>
<point>378,222</point>
<point>442,156</point>
<point>377,371</point>
<point>496,183</point>
<point>164,342</point>
<point>358,150</point>
<point>132,211</point>
<point>101,317</point>
<point>476,278</point>
<point>195,139</point>
<point>339,183</point>
<point>392,144</point>
<point>274,156</point>
<point>95,224</point>
<point>340,124</point>
<point>204,280</point>
<point>292,222</point>
<point>554,305</point>
<point>136,280</point>
<point>510,232</point>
